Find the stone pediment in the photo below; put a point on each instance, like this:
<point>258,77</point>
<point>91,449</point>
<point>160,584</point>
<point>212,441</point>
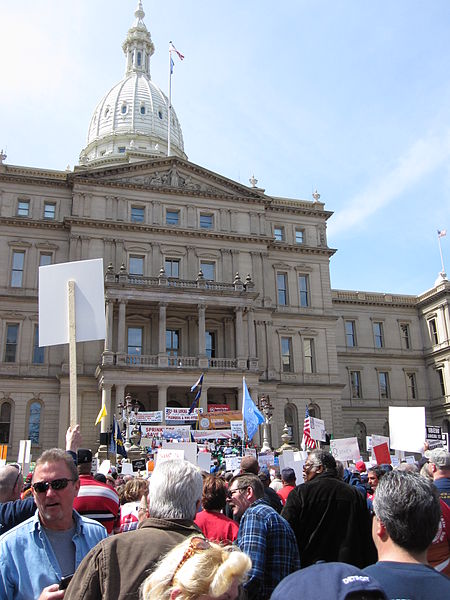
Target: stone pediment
<point>167,174</point>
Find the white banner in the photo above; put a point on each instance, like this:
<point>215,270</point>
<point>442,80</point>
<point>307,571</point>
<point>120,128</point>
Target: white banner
<point>153,416</point>
<point>169,454</point>
<point>212,434</point>
<point>177,432</point>
<point>345,449</point>
<point>182,414</point>
<point>317,429</point>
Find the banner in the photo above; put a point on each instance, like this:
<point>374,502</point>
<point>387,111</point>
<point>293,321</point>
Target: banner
<point>211,434</point>
<point>182,414</point>
<point>177,432</point>
<point>153,416</point>
<point>218,408</point>
<point>219,420</point>
<point>237,429</point>
<point>345,449</point>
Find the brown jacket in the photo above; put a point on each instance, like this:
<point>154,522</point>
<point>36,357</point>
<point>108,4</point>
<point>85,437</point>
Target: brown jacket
<point>116,567</point>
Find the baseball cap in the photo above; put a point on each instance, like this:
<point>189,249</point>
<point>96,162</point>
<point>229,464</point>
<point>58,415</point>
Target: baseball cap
<point>84,456</point>
<point>360,466</point>
<point>439,457</point>
<point>328,581</point>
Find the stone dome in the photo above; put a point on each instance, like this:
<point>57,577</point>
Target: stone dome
<point>130,122</point>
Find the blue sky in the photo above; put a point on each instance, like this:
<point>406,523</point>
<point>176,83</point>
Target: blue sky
<point>349,97</point>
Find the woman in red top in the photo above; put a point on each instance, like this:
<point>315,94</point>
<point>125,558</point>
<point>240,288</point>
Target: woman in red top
<point>214,524</point>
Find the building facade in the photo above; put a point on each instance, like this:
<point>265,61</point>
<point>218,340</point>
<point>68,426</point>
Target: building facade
<point>202,274</point>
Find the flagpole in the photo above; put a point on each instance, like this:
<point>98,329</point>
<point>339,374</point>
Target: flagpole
<point>440,252</point>
<point>169,111</point>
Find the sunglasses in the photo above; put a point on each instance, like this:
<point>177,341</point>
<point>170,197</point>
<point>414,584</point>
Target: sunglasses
<point>57,484</point>
<point>196,544</point>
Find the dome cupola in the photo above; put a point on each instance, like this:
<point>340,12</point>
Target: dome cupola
<point>130,123</point>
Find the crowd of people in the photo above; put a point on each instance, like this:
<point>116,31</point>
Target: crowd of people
<point>256,533</point>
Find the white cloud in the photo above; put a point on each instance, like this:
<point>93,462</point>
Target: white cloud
<point>422,158</point>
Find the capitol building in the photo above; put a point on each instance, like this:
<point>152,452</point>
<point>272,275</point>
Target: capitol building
<point>202,275</point>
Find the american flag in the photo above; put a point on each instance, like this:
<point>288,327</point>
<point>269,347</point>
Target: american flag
<point>442,232</point>
<point>307,442</point>
<point>173,49</point>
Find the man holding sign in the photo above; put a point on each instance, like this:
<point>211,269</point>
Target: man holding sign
<point>330,518</point>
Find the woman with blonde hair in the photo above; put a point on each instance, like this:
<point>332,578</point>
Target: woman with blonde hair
<point>197,569</point>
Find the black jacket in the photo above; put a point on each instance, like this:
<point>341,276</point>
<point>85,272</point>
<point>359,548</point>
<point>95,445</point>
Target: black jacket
<point>331,522</point>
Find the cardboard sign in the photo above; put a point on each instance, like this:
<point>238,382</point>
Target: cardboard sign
<point>233,463</point>
<point>89,302</point>
<point>377,440</point>
<point>190,449</point>
<point>169,454</point>
<point>237,429</point>
<point>266,460</point>
<point>345,449</point>
<point>250,452</point>
<point>317,429</point>
<point>127,468</point>
<point>407,427</point>
<point>204,461</point>
<point>151,416</point>
<point>104,467</point>
<point>382,454</point>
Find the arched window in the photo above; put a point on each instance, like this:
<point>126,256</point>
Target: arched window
<point>291,420</point>
<point>34,422</point>
<point>139,59</point>
<point>360,432</point>
<point>5,422</point>
<point>314,411</point>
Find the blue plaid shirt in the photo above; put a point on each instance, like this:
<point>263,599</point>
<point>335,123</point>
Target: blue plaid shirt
<point>270,542</point>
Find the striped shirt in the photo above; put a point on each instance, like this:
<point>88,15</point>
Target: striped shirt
<point>98,501</point>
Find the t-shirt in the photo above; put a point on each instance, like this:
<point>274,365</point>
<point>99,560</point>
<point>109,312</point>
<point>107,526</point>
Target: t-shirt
<point>438,554</point>
<point>284,492</point>
<point>216,526</point>
<point>409,581</point>
<point>443,485</point>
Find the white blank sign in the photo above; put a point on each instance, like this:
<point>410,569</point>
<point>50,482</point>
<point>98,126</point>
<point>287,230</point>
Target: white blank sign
<point>89,302</point>
<point>407,428</point>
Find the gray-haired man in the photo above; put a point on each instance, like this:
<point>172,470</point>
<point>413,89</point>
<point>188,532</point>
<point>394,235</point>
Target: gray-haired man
<point>117,566</point>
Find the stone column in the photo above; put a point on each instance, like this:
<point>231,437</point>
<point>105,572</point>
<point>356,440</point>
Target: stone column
<point>253,360</point>
<point>121,333</point>
<point>162,399</point>
<point>229,344</point>
<point>108,355</point>
<point>106,401</point>
<point>191,335</point>
<point>162,354</point>
<point>239,323</point>
<point>203,402</point>
<point>202,358</point>
<point>240,398</point>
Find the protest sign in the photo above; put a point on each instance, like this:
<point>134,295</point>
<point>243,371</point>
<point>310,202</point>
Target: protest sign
<point>219,420</point>
<point>127,468</point>
<point>139,464</point>
<point>152,416</point>
<point>435,437</point>
<point>407,427</point>
<point>218,408</point>
<point>317,429</point>
<point>266,460</point>
<point>250,452</point>
<point>204,461</point>
<point>211,434</point>
<point>104,467</point>
<point>382,454</point>
<point>175,432</point>
<point>169,454</point>
<point>190,449</point>
<point>237,429</point>
<point>181,414</point>
<point>232,463</point>
<point>379,439</point>
<point>345,449</point>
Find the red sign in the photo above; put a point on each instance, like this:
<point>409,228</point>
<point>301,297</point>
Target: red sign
<point>382,454</point>
<point>218,408</point>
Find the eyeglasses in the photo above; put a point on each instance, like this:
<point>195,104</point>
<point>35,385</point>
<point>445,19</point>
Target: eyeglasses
<point>231,492</point>
<point>196,544</point>
<point>57,484</point>
<point>17,478</point>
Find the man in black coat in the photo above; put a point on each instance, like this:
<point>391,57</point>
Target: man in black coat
<point>330,518</point>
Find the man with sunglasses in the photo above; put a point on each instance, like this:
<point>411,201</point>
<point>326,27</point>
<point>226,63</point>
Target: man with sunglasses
<point>37,554</point>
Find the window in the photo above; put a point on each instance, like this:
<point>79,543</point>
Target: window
<point>5,422</point>
<point>23,208</point>
<point>45,259</point>
<point>350,334</point>
<point>142,110</point>
<point>172,217</point>
<point>440,373</point>
<point>34,422</point>
<point>139,59</point>
<point>135,335</point>
<point>210,339</point>
<point>355,384</point>
<point>160,115</point>
<point>172,267</point>
<point>136,265</point>
<point>286,354</point>
<point>49,210</point>
<point>12,334</point>
<point>299,236</point>
<point>278,233</point>
<point>121,149</point>
<point>378,334</point>
<point>137,214</point>
<point>172,342</point>
<point>308,355</point>
<point>18,260</point>
<point>208,269</point>
<point>433,331</point>
<point>282,289</point>
<point>123,109</point>
<point>38,351</point>
<point>303,285</point>
<point>383,383</point>
<point>206,221</point>
<point>411,385</point>
<point>404,332</point>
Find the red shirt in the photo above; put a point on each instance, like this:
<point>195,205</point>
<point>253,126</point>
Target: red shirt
<point>98,501</point>
<point>216,526</point>
<point>284,492</point>
<point>439,552</point>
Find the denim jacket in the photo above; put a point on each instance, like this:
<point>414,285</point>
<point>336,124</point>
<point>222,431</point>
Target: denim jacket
<point>27,561</point>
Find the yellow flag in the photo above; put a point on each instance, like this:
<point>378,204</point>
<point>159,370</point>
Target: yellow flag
<point>101,414</point>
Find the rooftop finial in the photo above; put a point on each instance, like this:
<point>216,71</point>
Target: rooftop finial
<point>139,14</point>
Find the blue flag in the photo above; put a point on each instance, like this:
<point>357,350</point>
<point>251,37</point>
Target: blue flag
<point>251,414</point>
<point>197,386</point>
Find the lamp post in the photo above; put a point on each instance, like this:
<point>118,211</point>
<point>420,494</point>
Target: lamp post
<point>129,410</point>
<point>266,408</point>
